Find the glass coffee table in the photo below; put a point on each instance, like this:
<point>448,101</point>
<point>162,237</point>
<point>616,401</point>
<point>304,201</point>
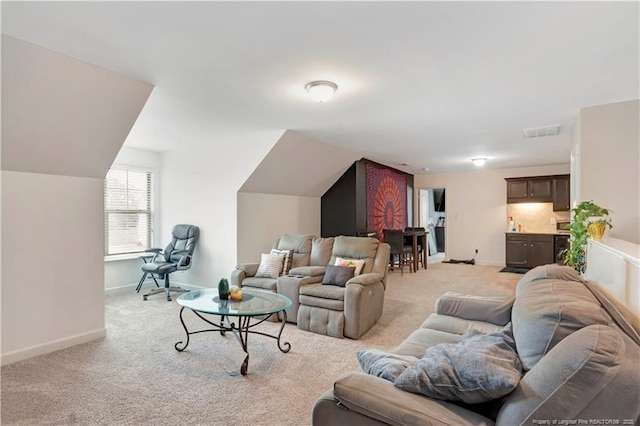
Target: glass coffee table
<point>255,308</point>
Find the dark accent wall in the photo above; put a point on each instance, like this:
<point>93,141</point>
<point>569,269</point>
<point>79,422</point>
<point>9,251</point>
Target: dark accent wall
<point>343,208</point>
<point>338,206</point>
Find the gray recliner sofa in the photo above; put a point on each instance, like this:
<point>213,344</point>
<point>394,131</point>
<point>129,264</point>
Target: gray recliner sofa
<point>579,349</point>
<point>311,255</point>
<point>350,310</point>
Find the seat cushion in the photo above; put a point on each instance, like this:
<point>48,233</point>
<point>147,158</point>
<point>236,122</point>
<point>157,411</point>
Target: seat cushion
<point>263,283</point>
<point>323,296</point>
<point>159,267</point>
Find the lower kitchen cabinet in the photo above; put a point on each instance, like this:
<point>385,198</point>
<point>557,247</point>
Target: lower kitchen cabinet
<point>560,242</point>
<point>529,250</point>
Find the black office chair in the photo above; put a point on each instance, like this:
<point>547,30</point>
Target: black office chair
<point>404,253</point>
<point>176,257</point>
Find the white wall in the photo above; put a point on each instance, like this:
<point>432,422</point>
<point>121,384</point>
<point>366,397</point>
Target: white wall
<point>610,164</point>
<point>199,187</point>
<point>262,218</point>
<point>52,263</point>
<point>477,209</point>
<point>127,272</point>
<point>63,122</point>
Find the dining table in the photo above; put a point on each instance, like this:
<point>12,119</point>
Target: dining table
<point>416,236</point>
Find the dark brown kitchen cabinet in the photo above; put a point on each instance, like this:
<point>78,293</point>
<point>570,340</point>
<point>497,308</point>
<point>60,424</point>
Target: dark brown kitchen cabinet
<point>561,193</point>
<point>536,189</point>
<point>529,250</point>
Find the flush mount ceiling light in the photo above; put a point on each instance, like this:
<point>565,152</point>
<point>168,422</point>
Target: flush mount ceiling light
<point>479,161</point>
<point>321,91</point>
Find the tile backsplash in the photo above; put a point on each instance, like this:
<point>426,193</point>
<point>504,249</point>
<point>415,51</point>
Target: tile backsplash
<point>535,217</point>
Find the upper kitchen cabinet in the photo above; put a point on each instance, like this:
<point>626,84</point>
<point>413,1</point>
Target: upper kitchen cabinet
<point>540,189</point>
<point>530,189</point>
<point>561,194</point>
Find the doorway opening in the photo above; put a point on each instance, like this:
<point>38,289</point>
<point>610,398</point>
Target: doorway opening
<point>432,216</point>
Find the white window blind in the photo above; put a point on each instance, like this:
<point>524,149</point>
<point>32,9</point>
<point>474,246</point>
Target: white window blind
<point>128,211</point>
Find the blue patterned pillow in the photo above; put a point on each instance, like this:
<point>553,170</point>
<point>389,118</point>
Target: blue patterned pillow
<point>479,368</point>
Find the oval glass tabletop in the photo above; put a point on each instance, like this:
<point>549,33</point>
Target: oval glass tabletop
<point>254,302</point>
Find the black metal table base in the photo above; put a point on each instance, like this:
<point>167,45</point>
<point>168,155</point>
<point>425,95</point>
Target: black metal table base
<point>241,331</point>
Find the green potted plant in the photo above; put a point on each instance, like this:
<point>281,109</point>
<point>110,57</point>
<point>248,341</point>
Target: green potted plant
<point>589,221</point>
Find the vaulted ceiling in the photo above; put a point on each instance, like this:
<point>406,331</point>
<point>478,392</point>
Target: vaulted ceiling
<point>425,84</point>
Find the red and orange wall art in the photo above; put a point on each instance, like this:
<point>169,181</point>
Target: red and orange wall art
<point>386,199</point>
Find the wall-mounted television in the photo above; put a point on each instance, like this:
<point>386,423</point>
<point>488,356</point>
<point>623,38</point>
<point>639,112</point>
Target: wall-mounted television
<point>439,199</point>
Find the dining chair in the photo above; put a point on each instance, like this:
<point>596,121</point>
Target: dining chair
<point>399,250</point>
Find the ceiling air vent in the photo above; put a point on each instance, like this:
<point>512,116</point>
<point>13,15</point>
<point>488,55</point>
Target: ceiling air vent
<point>540,132</point>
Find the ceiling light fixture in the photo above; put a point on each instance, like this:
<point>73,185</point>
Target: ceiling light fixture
<point>479,161</point>
<point>321,90</point>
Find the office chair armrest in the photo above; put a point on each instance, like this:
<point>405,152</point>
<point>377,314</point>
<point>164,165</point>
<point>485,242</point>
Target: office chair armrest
<point>157,251</point>
<point>185,259</point>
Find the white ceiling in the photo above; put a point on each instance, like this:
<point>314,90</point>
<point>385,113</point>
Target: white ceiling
<point>429,84</point>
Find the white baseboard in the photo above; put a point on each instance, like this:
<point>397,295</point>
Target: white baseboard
<point>49,347</point>
<point>132,288</point>
<point>121,289</point>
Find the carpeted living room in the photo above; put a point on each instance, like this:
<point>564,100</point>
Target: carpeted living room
<point>135,376</point>
<point>401,181</point>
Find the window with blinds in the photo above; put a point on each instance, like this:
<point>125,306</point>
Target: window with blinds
<point>128,211</point>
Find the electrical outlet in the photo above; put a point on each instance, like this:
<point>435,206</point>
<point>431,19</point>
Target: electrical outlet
<point>553,221</point>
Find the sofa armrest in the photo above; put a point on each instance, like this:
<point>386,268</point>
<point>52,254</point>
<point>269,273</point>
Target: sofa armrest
<point>307,271</point>
<point>379,399</point>
<point>242,271</point>
<point>496,310</point>
<point>249,269</point>
<point>366,279</point>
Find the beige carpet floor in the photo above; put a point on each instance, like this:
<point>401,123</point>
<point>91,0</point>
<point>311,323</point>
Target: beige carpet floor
<point>134,376</point>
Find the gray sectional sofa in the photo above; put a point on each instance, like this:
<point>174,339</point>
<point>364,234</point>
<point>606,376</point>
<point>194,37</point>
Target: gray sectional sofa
<point>577,355</point>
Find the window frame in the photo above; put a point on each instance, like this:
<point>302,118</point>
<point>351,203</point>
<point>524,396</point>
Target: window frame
<point>154,203</point>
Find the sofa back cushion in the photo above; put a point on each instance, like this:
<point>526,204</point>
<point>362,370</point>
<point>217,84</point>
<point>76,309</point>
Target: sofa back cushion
<point>301,246</point>
<point>547,310</point>
<point>356,248</point>
<point>591,374</point>
<point>321,251</point>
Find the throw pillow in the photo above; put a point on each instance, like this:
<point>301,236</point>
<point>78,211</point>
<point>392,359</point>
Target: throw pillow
<point>479,368</point>
<point>288,259</point>
<point>270,265</point>
<point>356,263</point>
<point>338,275</point>
<point>384,365</point>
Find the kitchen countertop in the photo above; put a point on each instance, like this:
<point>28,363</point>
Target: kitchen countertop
<point>540,233</point>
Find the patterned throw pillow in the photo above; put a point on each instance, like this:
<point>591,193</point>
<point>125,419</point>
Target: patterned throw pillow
<point>338,275</point>
<point>479,368</point>
<point>356,263</point>
<point>270,265</point>
<point>288,259</point>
